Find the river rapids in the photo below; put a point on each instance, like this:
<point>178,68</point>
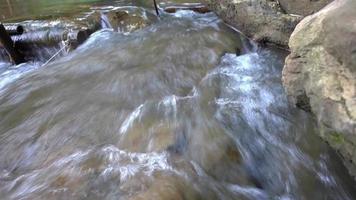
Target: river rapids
<point>184,108</point>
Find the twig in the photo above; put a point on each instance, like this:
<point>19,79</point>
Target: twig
<point>156,7</point>
<point>54,55</point>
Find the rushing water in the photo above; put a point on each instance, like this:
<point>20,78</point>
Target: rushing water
<point>166,112</point>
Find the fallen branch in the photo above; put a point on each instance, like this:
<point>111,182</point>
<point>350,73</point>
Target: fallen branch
<point>15,30</point>
<point>198,9</point>
<point>8,44</point>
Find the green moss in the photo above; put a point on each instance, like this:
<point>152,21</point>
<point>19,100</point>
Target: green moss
<point>336,138</point>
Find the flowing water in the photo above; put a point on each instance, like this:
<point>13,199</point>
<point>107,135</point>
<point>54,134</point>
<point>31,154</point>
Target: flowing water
<point>169,111</point>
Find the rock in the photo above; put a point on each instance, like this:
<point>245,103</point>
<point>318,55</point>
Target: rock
<point>262,20</point>
<point>167,188</point>
<point>321,70</point>
<point>40,35</point>
<point>144,138</point>
<point>127,20</point>
<point>303,7</point>
<point>216,152</point>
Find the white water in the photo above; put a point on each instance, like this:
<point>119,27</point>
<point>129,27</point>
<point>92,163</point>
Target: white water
<point>167,111</point>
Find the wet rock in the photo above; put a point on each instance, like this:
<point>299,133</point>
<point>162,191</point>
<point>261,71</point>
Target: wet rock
<point>35,38</point>
<point>8,45</point>
<point>216,152</point>
<point>127,20</point>
<point>303,7</point>
<point>144,137</point>
<point>167,188</point>
<point>321,69</point>
<point>260,19</point>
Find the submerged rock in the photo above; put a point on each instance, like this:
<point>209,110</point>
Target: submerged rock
<point>321,69</point>
<point>167,188</point>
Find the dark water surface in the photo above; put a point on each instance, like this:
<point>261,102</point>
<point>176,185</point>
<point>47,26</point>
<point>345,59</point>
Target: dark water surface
<point>168,111</point>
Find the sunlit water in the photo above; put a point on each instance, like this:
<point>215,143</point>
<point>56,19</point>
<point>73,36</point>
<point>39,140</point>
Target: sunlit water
<point>165,112</point>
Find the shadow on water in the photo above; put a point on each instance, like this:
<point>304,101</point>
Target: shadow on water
<point>165,112</point>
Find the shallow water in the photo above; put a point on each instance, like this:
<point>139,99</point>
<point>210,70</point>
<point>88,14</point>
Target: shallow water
<point>16,10</point>
<point>165,112</point>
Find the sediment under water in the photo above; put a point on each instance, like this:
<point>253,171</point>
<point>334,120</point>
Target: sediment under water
<point>166,112</point>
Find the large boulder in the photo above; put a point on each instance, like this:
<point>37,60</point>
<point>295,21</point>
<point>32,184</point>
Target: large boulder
<point>303,7</point>
<point>262,20</point>
<point>320,73</point>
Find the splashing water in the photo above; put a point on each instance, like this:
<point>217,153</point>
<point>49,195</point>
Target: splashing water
<point>168,111</point>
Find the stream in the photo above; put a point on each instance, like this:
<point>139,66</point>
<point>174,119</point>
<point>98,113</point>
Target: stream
<point>183,108</point>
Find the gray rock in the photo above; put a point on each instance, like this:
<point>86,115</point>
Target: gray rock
<point>265,20</point>
<point>262,20</point>
<point>303,7</point>
<point>321,70</point>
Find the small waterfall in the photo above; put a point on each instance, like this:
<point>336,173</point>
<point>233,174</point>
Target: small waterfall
<point>104,21</point>
<point>3,56</point>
